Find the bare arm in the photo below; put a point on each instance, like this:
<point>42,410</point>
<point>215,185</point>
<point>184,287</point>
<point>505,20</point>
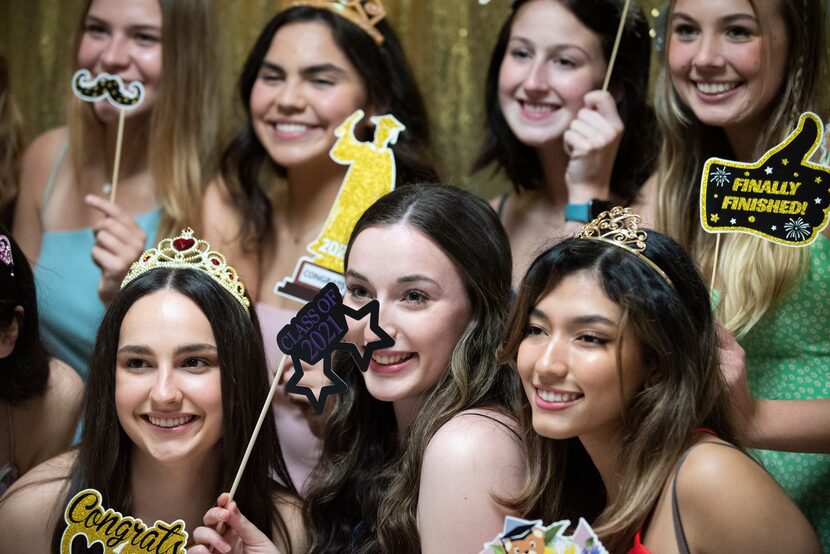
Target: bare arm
<point>728,503</point>
<point>469,460</point>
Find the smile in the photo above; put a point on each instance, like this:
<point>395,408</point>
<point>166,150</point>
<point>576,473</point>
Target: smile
<point>290,130</point>
<point>535,112</point>
<point>169,423</point>
<point>716,88</point>
<point>390,362</point>
<point>558,397</point>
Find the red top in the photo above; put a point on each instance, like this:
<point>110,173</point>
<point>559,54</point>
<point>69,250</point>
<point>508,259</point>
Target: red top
<point>638,547</point>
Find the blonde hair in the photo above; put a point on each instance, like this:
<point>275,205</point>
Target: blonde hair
<point>184,126</point>
<point>754,273</point>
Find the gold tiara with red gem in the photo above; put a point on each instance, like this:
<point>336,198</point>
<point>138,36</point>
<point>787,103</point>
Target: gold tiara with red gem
<point>621,227</point>
<point>363,13</point>
<point>187,252</point>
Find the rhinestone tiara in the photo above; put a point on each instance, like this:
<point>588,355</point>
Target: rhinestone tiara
<point>364,13</point>
<point>621,227</point>
<point>187,252</point>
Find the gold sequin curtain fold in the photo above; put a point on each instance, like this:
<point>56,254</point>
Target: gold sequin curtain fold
<point>448,43</point>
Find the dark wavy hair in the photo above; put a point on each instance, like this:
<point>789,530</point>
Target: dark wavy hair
<point>25,372</point>
<point>683,392</point>
<point>636,154</point>
<point>390,87</point>
<point>104,453</point>
<point>364,493</point>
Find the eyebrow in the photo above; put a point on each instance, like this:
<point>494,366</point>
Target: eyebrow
<point>732,18</point>
<point>589,319</point>
<point>138,27</point>
<point>306,71</point>
<point>186,349</point>
<point>405,279</point>
<point>554,48</point>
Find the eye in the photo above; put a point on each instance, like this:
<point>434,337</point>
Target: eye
<point>147,39</point>
<point>415,296</point>
<point>323,82</point>
<point>95,28</point>
<point>591,338</point>
<point>269,76</point>
<point>358,292</point>
<point>564,62</point>
<point>534,331</point>
<point>738,33</point>
<point>136,364</point>
<point>196,365</point>
<point>685,31</point>
<point>520,53</point>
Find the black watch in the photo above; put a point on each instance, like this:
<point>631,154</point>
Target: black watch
<point>586,212</point>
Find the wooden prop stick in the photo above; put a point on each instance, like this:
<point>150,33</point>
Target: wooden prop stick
<point>616,45</point>
<point>116,164</point>
<point>715,264</point>
<point>265,410</point>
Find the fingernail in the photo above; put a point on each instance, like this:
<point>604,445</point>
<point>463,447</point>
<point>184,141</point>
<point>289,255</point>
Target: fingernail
<point>236,510</point>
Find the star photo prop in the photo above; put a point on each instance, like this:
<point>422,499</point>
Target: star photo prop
<point>317,331</point>
<point>524,535</point>
<point>783,197</point>
<point>371,174</point>
<point>111,88</point>
<point>89,524</point>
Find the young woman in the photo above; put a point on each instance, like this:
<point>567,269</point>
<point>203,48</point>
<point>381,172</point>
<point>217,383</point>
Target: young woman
<point>175,385</point>
<point>628,417</point>
<point>310,69</point>
<point>422,448</point>
<point>736,76</point>
<point>83,243</point>
<point>566,146</point>
<point>40,399</point>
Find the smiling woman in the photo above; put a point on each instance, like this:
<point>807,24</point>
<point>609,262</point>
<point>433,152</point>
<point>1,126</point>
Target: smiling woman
<point>176,379</point>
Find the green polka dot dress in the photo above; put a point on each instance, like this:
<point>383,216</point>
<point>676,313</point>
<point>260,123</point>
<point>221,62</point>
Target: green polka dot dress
<point>788,358</point>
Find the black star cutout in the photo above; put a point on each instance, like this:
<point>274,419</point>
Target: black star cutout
<point>317,402</point>
<point>384,340</point>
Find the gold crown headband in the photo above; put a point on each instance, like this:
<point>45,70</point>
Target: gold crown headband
<point>187,252</point>
<point>621,227</point>
<point>363,13</point>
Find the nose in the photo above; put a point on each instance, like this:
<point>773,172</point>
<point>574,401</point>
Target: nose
<point>552,361</point>
<point>166,390</point>
<point>116,55</point>
<point>290,97</point>
<point>537,77</point>
<point>709,54</point>
<point>385,323</point>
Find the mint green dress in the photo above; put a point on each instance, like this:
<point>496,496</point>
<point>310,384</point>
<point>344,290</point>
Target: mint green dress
<point>788,358</point>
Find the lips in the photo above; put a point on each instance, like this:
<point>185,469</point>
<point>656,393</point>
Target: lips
<point>715,88</point>
<point>536,111</point>
<point>555,399</point>
<point>390,362</point>
<point>290,129</point>
<point>167,422</point>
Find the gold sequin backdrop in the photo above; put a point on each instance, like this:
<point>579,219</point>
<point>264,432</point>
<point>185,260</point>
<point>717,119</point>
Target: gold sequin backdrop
<point>448,43</point>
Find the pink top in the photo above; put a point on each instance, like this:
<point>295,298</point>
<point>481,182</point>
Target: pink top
<point>300,448</point>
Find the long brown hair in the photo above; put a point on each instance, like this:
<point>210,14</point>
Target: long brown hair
<point>755,273</point>
<point>683,391</point>
<point>184,126</point>
<point>10,147</point>
<point>364,496</point>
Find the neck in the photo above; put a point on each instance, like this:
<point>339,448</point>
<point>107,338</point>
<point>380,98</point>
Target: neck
<point>743,138</point>
<point>310,195</point>
<point>603,448</point>
<point>167,492</point>
<point>554,161</point>
<point>405,412</point>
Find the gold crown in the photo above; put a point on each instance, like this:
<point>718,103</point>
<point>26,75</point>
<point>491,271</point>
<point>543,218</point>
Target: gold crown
<point>363,13</point>
<point>621,227</point>
<point>187,252</point>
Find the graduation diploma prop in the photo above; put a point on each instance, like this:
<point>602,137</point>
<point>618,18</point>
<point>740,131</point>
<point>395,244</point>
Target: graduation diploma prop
<point>783,197</point>
<point>90,527</point>
<point>524,535</point>
<point>371,174</point>
<point>111,88</point>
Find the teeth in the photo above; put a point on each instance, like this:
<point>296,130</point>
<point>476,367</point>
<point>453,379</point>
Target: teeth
<point>715,88</point>
<point>537,108</point>
<point>389,360</point>
<point>291,127</point>
<point>170,422</point>
<point>549,396</point>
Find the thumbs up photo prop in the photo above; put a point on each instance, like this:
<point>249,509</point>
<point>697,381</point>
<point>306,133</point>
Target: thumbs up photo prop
<point>782,197</point>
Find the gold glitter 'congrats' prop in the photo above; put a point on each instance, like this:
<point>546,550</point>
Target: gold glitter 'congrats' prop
<point>118,534</point>
<point>371,175</point>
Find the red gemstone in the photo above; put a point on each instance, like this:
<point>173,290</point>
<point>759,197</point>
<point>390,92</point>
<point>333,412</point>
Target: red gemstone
<point>214,261</point>
<point>146,258</point>
<point>182,244</point>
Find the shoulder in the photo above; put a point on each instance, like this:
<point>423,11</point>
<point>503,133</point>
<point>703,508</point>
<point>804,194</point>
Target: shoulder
<point>646,202</point>
<point>30,508</point>
<point>483,440</point>
<point>45,149</point>
<point>729,502</point>
<point>290,509</point>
